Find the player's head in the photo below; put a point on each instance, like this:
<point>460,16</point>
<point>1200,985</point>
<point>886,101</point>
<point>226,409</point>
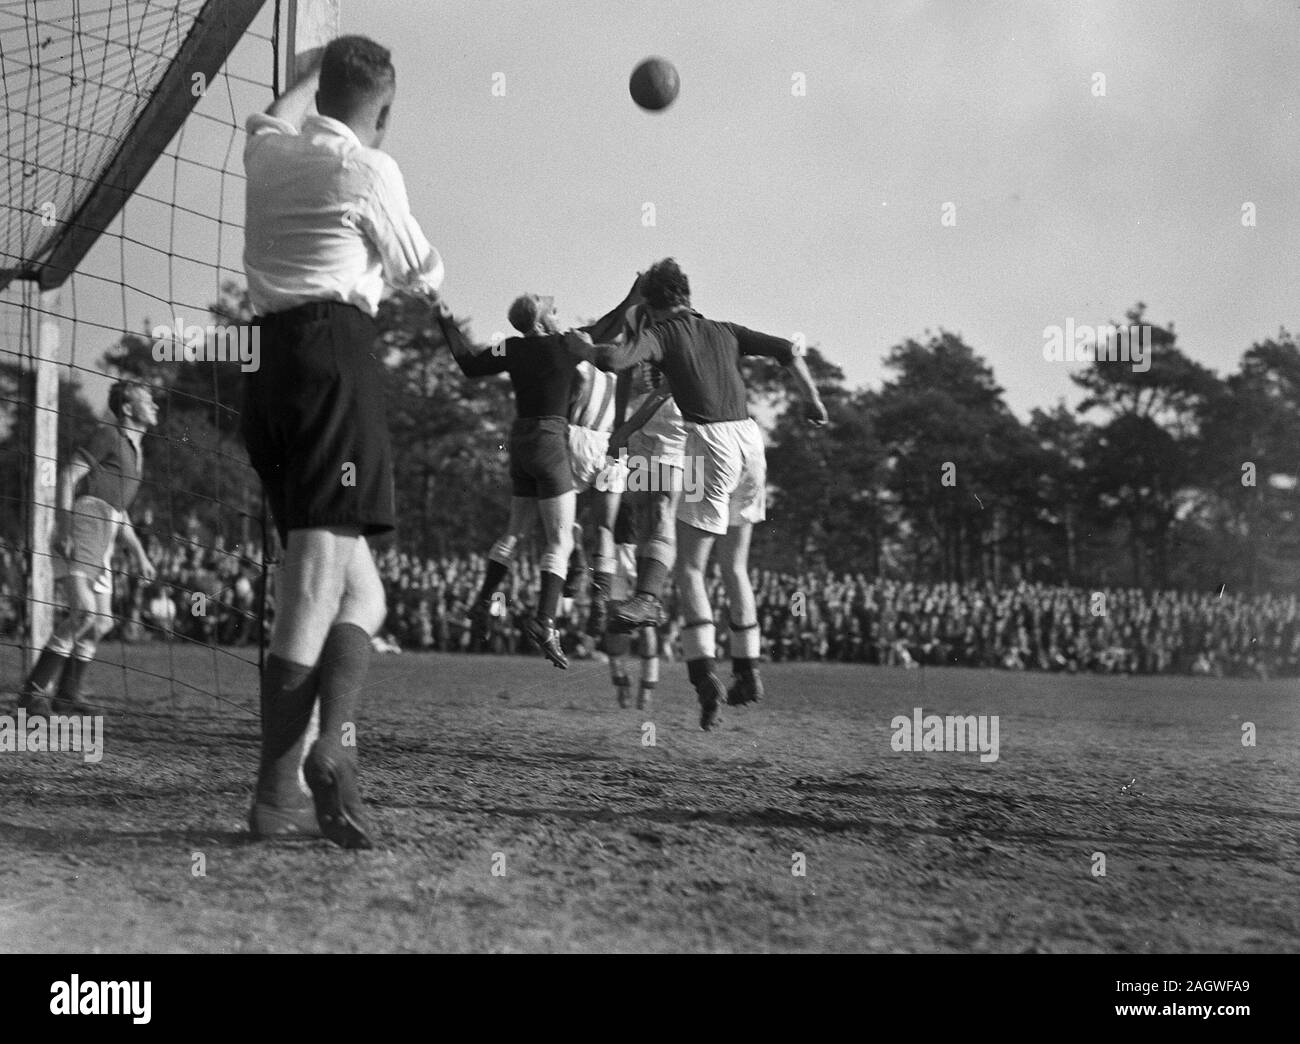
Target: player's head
<point>533,314</point>
<point>357,84</point>
<point>132,404</point>
<point>666,286</point>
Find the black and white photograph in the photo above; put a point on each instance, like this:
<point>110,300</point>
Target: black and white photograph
<point>716,477</point>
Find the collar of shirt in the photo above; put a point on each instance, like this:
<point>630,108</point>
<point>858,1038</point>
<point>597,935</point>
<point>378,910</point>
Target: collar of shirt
<point>330,125</point>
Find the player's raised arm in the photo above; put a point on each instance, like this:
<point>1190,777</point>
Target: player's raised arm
<point>610,326</point>
<point>789,355</point>
<point>293,104</point>
<point>474,360</point>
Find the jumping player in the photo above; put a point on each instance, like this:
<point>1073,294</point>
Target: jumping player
<point>701,360</point>
<point>655,455</point>
<point>328,224</point>
<point>591,422</point>
<point>543,370</point>
<point>620,647</point>
<point>111,465</point>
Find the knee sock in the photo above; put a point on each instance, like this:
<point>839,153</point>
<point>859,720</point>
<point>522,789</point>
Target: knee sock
<point>50,663</point>
<point>577,559</point>
<point>650,576</point>
<point>500,557</point>
<point>698,670</point>
<point>343,664</point>
<point>744,649</point>
<point>698,648</point>
<point>496,572</point>
<point>70,679</point>
<point>288,694</point>
<point>548,604</point>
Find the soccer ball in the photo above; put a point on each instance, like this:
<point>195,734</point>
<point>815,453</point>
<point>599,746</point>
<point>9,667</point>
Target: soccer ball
<point>654,84</point>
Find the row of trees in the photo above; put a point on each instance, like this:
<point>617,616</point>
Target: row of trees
<point>1172,477</point>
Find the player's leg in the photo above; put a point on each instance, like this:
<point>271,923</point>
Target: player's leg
<point>331,765</point>
<point>501,556</point>
<point>715,455</point>
<point>309,591</point>
<point>98,622</point>
<point>618,646</point>
<point>575,576</point>
<point>733,561</point>
<point>747,506</point>
<point>56,659</point>
<point>602,576</point>
<point>556,515</point>
<point>698,636</point>
<point>656,552</point>
<point>94,527</point>
<point>649,650</point>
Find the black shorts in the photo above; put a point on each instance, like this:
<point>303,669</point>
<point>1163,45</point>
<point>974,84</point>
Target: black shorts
<point>539,457</point>
<point>314,421</point>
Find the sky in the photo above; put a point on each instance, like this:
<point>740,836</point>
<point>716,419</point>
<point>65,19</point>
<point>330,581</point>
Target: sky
<point>821,213</point>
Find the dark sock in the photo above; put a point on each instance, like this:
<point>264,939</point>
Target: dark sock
<point>70,679</point>
<point>288,693</point>
<point>496,572</point>
<point>698,670</point>
<point>743,666</point>
<point>650,576</point>
<point>601,583</point>
<point>343,665</point>
<point>577,559</point>
<point>47,668</point>
<point>548,604</point>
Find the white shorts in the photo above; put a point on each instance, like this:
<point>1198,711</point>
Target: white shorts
<point>729,482</point>
<point>587,455</point>
<point>95,525</point>
<point>662,436</point>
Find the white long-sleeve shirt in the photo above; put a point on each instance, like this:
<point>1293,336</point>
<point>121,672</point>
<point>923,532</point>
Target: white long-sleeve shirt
<point>327,219</point>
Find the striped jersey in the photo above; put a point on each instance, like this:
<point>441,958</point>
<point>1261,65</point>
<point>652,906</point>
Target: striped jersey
<point>592,405</point>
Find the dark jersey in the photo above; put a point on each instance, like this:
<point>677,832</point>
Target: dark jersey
<point>543,370</point>
<point>701,359</point>
<point>116,467</point>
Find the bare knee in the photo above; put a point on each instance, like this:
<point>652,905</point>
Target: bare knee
<point>365,604</point>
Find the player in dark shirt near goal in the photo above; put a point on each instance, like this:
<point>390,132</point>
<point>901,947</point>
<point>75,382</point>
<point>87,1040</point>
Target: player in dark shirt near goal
<point>108,470</point>
<point>543,369</point>
<point>701,360</point>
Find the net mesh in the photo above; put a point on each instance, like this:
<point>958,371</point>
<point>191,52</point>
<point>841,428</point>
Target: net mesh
<point>78,80</point>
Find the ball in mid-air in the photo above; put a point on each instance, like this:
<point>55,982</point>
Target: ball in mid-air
<point>654,84</point>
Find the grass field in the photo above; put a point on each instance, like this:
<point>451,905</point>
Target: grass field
<point>610,844</point>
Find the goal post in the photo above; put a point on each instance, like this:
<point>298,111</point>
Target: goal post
<point>44,477</point>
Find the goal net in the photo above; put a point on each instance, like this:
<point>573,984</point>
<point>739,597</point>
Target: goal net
<point>121,258</point>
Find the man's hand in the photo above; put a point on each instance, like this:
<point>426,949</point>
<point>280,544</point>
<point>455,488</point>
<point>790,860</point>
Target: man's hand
<point>815,412</point>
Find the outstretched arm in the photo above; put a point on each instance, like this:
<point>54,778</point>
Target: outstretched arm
<point>473,360</point>
<point>815,410</point>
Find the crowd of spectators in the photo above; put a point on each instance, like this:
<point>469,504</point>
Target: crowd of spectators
<point>212,594</point>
